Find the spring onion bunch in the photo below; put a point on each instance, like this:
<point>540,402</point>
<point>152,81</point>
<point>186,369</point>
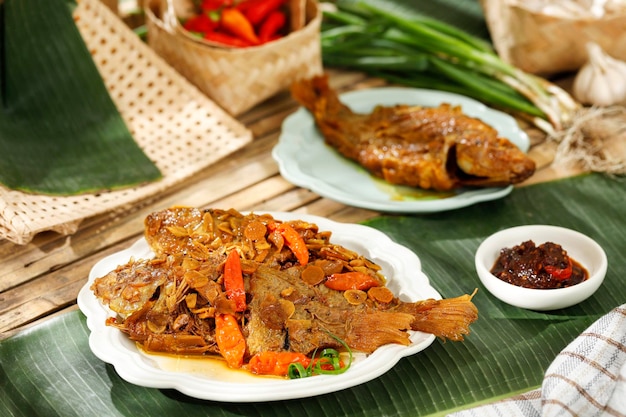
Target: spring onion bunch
<point>427,53</point>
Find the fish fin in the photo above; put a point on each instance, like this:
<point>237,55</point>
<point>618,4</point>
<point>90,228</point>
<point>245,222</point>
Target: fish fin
<point>447,319</point>
<point>366,332</point>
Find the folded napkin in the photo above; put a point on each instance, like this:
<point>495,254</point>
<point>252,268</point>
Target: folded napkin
<point>587,378</point>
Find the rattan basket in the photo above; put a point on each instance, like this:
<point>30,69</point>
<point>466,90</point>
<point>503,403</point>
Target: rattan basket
<point>235,78</point>
<point>545,44</point>
<point>176,125</point>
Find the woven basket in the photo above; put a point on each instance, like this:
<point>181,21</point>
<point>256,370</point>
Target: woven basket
<point>235,78</point>
<point>544,44</point>
<point>177,126</point>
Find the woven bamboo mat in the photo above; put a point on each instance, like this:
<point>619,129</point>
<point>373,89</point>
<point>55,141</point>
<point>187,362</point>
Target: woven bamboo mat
<point>177,126</point>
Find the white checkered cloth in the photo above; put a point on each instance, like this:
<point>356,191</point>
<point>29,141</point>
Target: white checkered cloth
<point>587,379</point>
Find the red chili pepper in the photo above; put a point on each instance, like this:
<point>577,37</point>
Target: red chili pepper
<point>293,240</point>
<point>233,280</point>
<point>270,26</point>
<point>210,5</point>
<point>225,39</point>
<point>257,12</point>
<point>560,274</point>
<point>234,22</point>
<point>351,281</point>
<point>201,23</point>
<point>245,5</point>
<point>230,340</point>
<point>276,363</point>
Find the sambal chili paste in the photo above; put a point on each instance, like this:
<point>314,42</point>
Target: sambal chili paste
<point>545,266</point>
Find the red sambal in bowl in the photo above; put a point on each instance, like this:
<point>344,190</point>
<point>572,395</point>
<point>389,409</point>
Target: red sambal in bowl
<point>543,266</point>
<point>552,268</point>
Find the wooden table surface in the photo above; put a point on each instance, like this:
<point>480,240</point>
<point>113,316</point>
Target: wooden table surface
<point>42,278</point>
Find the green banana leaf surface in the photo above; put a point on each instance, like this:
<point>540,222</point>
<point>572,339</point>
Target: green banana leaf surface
<point>60,131</point>
<point>49,370</point>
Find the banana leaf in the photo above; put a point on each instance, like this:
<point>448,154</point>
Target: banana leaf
<point>49,370</point>
<point>60,132</point>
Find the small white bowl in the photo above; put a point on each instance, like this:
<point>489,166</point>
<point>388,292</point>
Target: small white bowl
<point>578,246</point>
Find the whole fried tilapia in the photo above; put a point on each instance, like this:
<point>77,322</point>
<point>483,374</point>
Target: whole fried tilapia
<point>438,148</point>
<point>169,303</point>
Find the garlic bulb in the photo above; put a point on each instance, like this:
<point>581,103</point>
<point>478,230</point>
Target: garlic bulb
<point>602,80</point>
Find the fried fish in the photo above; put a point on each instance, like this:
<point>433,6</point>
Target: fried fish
<point>438,148</point>
<point>294,304</point>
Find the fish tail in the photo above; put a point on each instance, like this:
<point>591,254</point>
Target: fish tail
<point>314,94</point>
<point>335,120</point>
<point>367,332</point>
<point>447,319</point>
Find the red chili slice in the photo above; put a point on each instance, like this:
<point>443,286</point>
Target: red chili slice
<point>560,273</point>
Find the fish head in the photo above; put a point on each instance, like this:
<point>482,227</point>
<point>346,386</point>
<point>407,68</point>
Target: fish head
<point>496,162</point>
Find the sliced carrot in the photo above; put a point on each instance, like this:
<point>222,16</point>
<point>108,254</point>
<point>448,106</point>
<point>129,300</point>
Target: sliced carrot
<point>233,280</point>
<point>276,363</point>
<point>351,281</point>
<point>312,274</point>
<point>294,241</point>
<point>255,230</point>
<point>230,340</point>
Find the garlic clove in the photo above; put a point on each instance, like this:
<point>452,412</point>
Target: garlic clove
<point>602,80</point>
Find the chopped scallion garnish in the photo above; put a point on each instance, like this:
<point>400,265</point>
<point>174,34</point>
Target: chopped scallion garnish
<point>327,363</point>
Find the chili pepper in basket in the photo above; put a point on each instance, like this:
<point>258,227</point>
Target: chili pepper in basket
<point>226,39</point>
<point>244,5</point>
<point>201,23</point>
<point>271,26</point>
<point>233,21</point>
<point>210,5</point>
<point>258,10</point>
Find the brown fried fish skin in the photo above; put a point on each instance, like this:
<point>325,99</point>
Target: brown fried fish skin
<point>437,148</point>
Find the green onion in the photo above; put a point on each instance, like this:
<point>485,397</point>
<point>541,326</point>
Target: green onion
<point>328,358</point>
<point>296,371</point>
<point>418,50</point>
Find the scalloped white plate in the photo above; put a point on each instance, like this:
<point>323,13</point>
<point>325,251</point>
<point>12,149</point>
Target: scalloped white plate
<point>306,161</point>
<point>209,380</point>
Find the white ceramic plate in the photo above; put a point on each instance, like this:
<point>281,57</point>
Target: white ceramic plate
<point>209,380</point>
<point>305,160</point>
